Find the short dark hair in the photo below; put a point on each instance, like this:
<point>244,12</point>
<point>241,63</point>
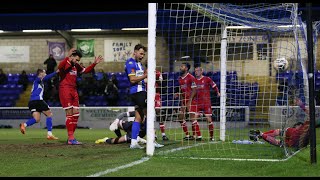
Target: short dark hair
<point>140,46</point>
<point>297,124</point>
<point>197,66</point>
<point>187,65</point>
<point>77,53</point>
<point>39,71</point>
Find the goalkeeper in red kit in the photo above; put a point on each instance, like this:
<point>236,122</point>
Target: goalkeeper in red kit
<point>296,136</point>
<point>68,94</point>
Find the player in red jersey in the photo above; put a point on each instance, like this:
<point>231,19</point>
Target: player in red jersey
<point>157,104</point>
<point>296,136</point>
<point>187,92</point>
<point>204,84</point>
<point>69,99</point>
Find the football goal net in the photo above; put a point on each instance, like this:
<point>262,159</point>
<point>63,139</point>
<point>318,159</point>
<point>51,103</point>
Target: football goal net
<point>245,67</point>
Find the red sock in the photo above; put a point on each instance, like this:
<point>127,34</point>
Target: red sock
<point>196,126</point>
<point>69,125</point>
<point>75,121</point>
<point>193,129</point>
<point>211,127</point>
<point>162,127</point>
<point>184,127</point>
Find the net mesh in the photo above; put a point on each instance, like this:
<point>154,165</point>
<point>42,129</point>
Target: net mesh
<point>265,73</point>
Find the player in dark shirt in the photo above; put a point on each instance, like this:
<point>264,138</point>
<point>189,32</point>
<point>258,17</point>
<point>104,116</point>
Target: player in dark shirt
<point>120,124</point>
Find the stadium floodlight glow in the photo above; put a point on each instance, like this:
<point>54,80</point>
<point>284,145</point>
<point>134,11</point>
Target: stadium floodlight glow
<point>239,27</point>
<point>86,30</point>
<point>37,30</point>
<point>134,29</point>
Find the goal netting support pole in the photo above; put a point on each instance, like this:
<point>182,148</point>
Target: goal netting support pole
<point>151,116</point>
<point>312,129</point>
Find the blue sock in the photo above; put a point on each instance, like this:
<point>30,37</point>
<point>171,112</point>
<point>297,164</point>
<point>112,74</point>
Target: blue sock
<point>31,121</point>
<point>49,123</point>
<point>135,130</point>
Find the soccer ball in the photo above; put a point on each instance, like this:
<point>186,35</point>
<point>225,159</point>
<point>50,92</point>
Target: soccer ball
<point>281,64</point>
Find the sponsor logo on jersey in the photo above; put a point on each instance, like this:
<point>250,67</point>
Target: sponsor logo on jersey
<point>73,72</point>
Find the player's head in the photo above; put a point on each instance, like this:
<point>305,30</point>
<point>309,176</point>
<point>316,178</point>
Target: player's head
<point>198,71</point>
<point>185,67</point>
<point>76,56</point>
<point>41,73</point>
<point>297,125</point>
<point>139,52</point>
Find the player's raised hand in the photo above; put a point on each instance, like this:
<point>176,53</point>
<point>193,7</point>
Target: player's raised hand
<point>98,59</point>
<point>71,51</point>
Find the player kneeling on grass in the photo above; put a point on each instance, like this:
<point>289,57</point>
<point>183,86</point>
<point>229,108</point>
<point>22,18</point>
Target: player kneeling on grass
<point>37,105</point>
<point>119,124</point>
<point>296,136</point>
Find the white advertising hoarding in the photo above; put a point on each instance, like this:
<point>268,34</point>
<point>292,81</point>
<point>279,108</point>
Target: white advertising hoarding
<point>119,50</point>
<point>11,54</point>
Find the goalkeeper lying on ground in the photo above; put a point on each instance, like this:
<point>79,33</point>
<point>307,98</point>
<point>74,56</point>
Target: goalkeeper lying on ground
<point>119,124</point>
<point>296,136</point>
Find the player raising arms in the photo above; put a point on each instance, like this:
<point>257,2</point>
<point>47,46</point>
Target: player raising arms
<point>38,105</point>
<point>69,99</point>
<point>136,74</point>
<point>187,92</point>
<point>203,97</point>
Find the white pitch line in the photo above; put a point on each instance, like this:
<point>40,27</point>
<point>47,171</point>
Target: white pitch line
<point>144,159</point>
<point>120,167</point>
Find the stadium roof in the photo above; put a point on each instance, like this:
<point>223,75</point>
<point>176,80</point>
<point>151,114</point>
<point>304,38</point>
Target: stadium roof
<point>17,15</point>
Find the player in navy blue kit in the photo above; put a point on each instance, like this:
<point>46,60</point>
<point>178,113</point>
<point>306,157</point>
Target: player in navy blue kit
<point>37,105</point>
<point>136,74</point>
<point>120,124</point>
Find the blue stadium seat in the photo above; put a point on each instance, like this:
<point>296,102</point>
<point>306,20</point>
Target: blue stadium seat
<point>10,77</point>
<point>171,76</point>
<point>31,77</point>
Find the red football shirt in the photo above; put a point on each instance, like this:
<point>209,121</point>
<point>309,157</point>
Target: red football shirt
<point>203,88</point>
<point>68,73</point>
<point>158,80</point>
<point>186,84</point>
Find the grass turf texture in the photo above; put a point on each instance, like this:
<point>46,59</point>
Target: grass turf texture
<point>33,155</point>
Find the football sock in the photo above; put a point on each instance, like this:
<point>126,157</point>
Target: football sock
<point>162,127</point>
<point>75,121</point>
<point>49,123</point>
<point>30,122</point>
<point>69,125</point>
<point>184,127</point>
<point>211,129</point>
<point>49,133</point>
<point>135,130</point>
<point>196,126</point>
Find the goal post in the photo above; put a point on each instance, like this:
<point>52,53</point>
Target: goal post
<point>256,56</point>
<point>151,116</point>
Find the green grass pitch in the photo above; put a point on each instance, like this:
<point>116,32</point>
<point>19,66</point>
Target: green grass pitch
<point>33,155</point>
